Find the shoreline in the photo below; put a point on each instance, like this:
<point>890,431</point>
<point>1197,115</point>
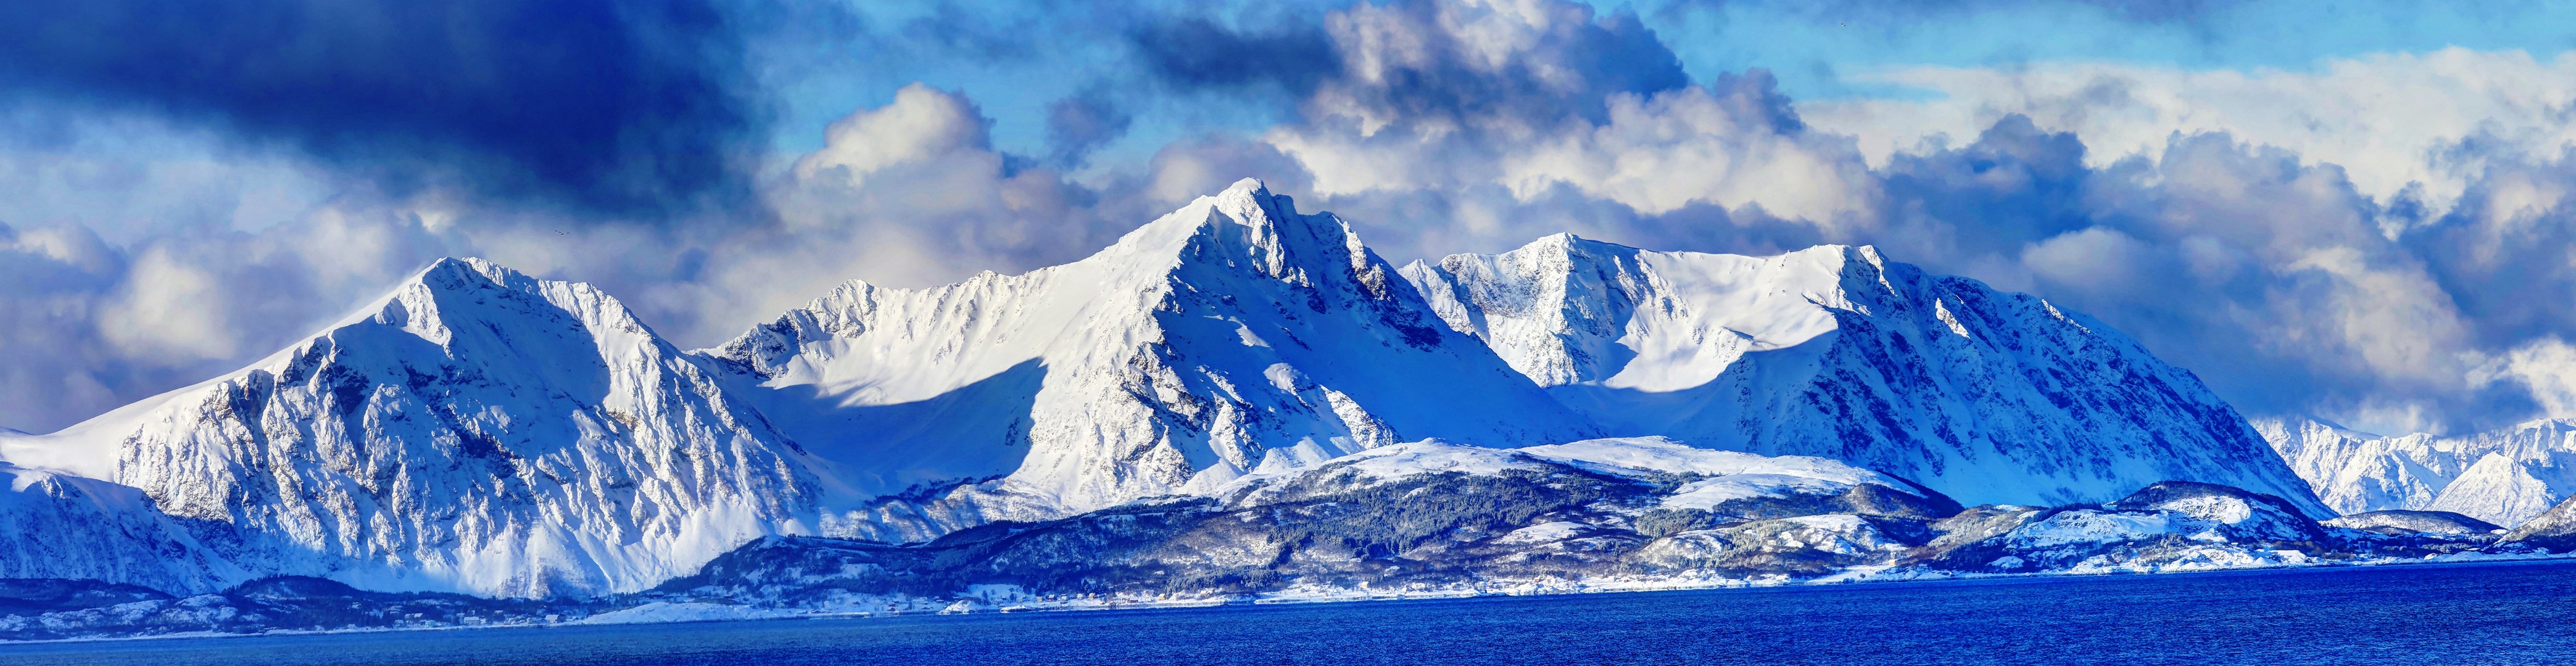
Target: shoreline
<point>748,614</point>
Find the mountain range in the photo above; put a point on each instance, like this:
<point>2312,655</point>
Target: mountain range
<point>2507,476</point>
<point>1252,378</point>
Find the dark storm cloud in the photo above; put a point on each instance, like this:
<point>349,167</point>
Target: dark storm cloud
<point>615,107</point>
<point>1195,52</point>
<point>1083,122</point>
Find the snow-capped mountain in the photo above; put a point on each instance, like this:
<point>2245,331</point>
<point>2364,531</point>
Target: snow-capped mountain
<point>1232,336</point>
<point>1836,352</point>
<point>475,430</point>
<point>2505,476</point>
<point>479,430</point>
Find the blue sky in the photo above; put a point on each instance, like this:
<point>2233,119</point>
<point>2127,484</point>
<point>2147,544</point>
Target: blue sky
<point>2356,210</point>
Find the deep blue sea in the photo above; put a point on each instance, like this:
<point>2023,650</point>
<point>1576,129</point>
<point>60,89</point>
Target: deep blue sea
<point>2516,613</point>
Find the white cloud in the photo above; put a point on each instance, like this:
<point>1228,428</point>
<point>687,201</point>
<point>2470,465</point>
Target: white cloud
<point>170,310</point>
<point>2546,366</point>
<point>1531,95</point>
<point>2388,120</point>
<point>921,123</point>
<point>1658,154</point>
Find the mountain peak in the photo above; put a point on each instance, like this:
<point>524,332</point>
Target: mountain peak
<point>1835,351</point>
<point>459,267</point>
<point>1246,190</point>
<point>1569,243</point>
<point>1249,203</point>
<point>1242,227</point>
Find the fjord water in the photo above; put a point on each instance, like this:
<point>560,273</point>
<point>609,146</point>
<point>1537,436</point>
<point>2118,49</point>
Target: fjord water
<point>2503,613</point>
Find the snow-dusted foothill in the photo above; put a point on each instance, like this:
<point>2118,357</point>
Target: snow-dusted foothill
<point>2167,526</point>
<point>1426,513</point>
<point>2401,521</point>
<point>1421,519</point>
<point>1837,352</point>
<point>1233,336</point>
<point>2554,529</point>
<point>2504,476</point>
<point>2185,526</point>
<point>1434,519</point>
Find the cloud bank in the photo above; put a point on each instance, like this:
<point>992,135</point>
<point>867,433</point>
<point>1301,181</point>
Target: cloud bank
<point>2299,241</point>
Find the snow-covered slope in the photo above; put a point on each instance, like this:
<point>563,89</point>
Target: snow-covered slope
<point>1834,351</point>
<point>2503,476</point>
<point>475,430</point>
<point>1231,336</point>
<point>2553,529</point>
<point>64,526</point>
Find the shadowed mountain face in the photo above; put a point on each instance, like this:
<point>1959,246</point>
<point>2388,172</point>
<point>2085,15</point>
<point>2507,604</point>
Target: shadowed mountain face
<point>1836,352</point>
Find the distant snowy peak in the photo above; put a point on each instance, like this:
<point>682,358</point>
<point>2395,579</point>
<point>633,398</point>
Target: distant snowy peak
<point>1230,336</point>
<point>2310,445</point>
<point>1560,309</point>
<point>476,429</point>
<point>2504,476</point>
<point>1836,351</point>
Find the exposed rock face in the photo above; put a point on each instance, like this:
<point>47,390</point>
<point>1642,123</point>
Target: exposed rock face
<point>1835,351</point>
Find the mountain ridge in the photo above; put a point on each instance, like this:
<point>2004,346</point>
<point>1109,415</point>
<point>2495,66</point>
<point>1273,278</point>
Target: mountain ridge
<point>2504,476</point>
<point>1837,351</point>
<point>480,430</point>
<point>1214,341</point>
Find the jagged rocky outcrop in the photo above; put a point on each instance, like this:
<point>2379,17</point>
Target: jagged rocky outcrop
<point>1835,351</point>
<point>1233,336</point>
<point>2504,476</point>
<point>475,430</point>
